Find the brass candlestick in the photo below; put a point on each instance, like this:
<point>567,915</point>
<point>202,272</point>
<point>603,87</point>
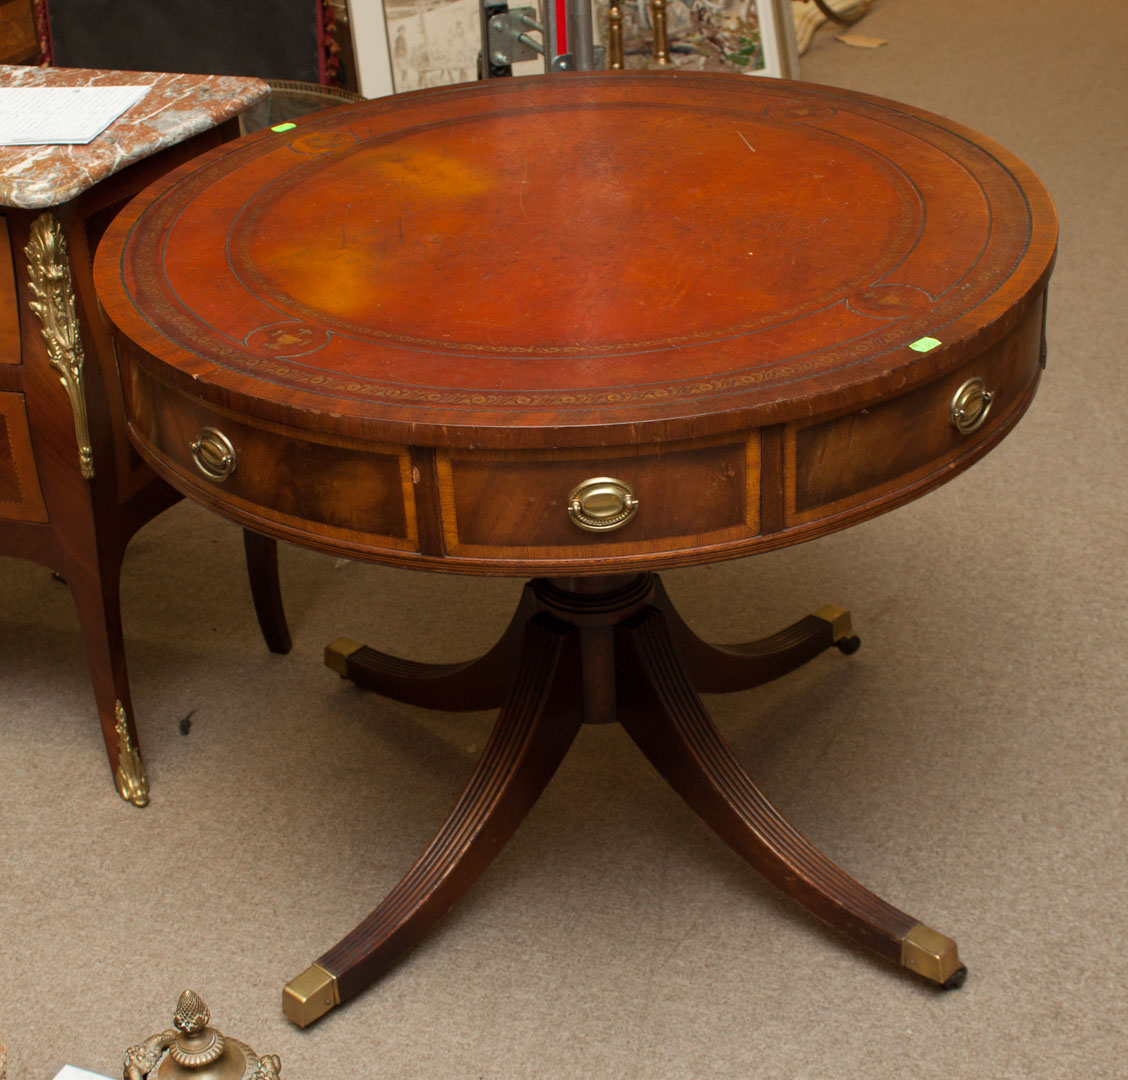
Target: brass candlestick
<point>661,41</point>
<point>615,36</point>
<point>191,1050</point>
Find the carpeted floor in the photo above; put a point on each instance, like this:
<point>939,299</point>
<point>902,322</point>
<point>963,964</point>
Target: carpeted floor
<point>969,763</point>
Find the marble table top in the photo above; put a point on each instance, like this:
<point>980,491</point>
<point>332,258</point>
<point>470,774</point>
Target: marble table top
<point>176,108</point>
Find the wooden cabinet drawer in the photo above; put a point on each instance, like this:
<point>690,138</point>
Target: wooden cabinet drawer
<point>20,496</point>
<point>350,491</point>
<point>514,505</point>
<point>848,461</point>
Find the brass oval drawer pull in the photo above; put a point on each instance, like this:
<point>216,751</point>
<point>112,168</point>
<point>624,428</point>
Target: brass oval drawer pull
<point>970,406</point>
<point>601,504</point>
<point>213,454</point>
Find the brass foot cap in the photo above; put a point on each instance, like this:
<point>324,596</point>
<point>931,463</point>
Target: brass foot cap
<point>931,954</point>
<point>310,996</point>
<point>839,619</point>
<point>337,655</point>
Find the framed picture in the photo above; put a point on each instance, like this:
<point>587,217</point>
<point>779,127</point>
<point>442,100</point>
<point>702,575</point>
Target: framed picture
<point>405,45</point>
<point>369,31</point>
<point>777,33</point>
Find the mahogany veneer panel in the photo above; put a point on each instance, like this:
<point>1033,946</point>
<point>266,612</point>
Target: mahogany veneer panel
<point>20,496</point>
<point>864,454</point>
<point>357,492</point>
<point>9,309</point>
<point>706,492</point>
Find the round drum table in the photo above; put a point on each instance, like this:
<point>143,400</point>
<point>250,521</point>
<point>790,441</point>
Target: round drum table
<point>582,328</point>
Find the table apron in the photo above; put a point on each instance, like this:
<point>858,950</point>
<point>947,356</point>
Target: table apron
<point>507,511</point>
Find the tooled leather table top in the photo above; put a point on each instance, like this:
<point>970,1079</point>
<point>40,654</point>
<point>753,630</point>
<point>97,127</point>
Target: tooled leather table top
<point>578,259</point>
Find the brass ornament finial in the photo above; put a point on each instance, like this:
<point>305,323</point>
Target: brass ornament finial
<point>191,1013</point>
<point>192,1050</point>
<point>197,1044</point>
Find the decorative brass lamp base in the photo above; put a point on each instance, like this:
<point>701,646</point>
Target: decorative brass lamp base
<point>191,1050</point>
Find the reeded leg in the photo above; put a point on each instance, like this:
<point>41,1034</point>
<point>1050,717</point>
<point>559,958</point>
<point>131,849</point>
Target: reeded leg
<point>266,592</point>
<point>718,669</point>
<point>475,684</point>
<point>664,716</point>
<point>533,732</point>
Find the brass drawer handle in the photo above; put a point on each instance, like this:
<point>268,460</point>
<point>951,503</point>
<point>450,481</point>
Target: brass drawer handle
<point>213,454</point>
<point>602,504</point>
<point>970,406</point>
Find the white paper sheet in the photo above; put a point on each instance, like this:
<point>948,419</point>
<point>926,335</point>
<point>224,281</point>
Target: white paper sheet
<point>49,115</point>
<point>69,1072</point>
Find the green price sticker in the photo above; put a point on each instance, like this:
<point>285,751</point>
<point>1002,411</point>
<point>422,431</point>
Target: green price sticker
<point>283,127</point>
<point>925,344</point>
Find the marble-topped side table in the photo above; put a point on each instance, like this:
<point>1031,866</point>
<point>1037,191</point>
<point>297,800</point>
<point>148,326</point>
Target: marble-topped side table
<point>72,489</point>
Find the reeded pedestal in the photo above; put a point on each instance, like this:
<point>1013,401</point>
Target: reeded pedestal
<point>600,650</point>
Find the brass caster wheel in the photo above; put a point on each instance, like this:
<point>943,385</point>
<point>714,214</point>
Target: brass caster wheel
<point>849,645</point>
<point>956,979</point>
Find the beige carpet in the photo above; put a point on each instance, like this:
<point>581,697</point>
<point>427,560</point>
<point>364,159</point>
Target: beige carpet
<point>968,763</point>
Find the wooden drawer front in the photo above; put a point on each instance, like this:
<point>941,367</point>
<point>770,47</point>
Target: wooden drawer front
<point>514,505</point>
<point>20,497</point>
<point>352,491</point>
<point>865,455</point>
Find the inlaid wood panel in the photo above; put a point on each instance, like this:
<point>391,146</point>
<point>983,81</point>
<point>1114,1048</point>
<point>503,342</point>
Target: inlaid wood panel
<point>20,496</point>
